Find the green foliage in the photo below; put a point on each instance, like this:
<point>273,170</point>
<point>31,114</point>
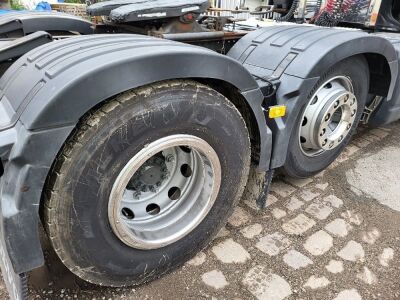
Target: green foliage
<point>16,5</point>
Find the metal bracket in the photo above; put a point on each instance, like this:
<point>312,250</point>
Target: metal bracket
<point>370,109</point>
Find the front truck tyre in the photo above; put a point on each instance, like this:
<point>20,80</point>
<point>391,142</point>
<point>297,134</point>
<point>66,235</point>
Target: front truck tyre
<point>329,118</point>
<point>145,182</point>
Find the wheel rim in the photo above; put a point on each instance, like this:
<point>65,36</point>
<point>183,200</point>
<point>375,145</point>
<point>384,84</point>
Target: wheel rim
<point>328,117</point>
<point>164,191</point>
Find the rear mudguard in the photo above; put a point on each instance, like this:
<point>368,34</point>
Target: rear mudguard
<point>45,93</point>
<point>297,56</point>
<point>14,48</point>
<point>18,24</point>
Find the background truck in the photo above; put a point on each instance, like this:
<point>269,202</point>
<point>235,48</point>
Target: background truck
<point>130,138</point>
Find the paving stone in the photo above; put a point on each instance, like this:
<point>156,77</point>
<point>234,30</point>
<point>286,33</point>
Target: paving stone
<point>215,279</point>
<point>322,186</point>
<point>386,256</point>
<point>308,195</point>
<point>347,153</point>
<point>253,205</point>
<point>278,213</point>
<point>353,251</point>
<point>282,189</point>
<point>294,204</point>
<point>352,217</point>
<point>239,217</point>
<point>333,201</point>
<point>198,260</point>
<point>251,231</point>
<point>371,236</point>
<point>298,225</point>
<point>367,276</point>
<point>379,133</point>
<point>319,243</point>
<point>222,233</point>
<point>338,227</point>
<point>273,244</point>
<point>263,284</point>
<point>351,294</point>
<point>371,137</point>
<point>319,210</point>
<point>299,182</point>
<point>317,282</point>
<point>296,260</point>
<point>361,142</point>
<point>335,266</point>
<point>229,252</point>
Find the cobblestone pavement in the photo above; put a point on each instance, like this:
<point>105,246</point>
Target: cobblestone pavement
<point>334,236</point>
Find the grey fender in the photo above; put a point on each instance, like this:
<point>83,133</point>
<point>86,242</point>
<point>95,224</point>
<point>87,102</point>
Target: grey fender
<point>297,56</point>
<point>45,93</point>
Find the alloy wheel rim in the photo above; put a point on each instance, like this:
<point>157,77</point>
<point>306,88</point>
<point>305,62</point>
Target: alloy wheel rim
<point>328,117</point>
<point>164,191</point>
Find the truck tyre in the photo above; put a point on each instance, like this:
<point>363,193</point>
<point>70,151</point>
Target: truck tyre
<point>329,118</point>
<point>145,182</point>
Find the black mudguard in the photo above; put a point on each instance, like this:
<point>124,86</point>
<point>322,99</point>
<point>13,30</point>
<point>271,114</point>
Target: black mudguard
<point>389,110</point>
<point>13,48</point>
<point>23,23</point>
<point>296,56</point>
<point>45,93</point>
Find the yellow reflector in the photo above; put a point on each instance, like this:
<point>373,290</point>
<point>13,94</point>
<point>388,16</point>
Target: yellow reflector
<point>277,111</point>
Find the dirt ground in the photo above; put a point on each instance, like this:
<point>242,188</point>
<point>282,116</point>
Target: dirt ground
<point>334,236</point>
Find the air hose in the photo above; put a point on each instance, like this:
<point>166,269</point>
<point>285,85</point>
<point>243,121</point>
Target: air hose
<point>338,10</point>
<point>330,15</point>
<point>290,13</point>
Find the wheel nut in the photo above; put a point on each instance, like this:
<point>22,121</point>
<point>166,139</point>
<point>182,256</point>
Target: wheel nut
<point>322,132</point>
<point>331,144</point>
<point>346,98</point>
<point>336,104</point>
<point>340,138</point>
<point>324,143</point>
<point>170,158</point>
<point>348,126</point>
<point>328,116</point>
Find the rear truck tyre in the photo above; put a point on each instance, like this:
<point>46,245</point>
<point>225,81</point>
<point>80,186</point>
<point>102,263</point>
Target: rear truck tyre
<point>329,118</point>
<point>145,182</point>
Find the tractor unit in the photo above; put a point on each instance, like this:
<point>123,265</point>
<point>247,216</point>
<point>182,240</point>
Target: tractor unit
<point>131,137</point>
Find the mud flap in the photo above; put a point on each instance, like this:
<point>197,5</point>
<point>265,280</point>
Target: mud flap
<point>261,201</point>
<point>16,284</point>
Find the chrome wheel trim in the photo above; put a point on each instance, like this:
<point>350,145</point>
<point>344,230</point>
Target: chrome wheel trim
<point>328,117</point>
<point>173,215</point>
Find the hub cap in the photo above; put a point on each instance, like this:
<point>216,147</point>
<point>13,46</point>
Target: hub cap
<point>328,117</point>
<point>164,191</point>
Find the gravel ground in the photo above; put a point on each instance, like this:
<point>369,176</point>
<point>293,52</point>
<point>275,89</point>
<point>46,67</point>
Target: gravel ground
<point>334,236</point>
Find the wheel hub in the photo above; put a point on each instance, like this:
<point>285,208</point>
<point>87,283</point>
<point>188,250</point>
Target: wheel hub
<point>164,191</point>
<point>150,175</point>
<point>328,117</point>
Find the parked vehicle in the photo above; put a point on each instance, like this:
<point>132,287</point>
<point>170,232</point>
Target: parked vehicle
<point>131,138</point>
